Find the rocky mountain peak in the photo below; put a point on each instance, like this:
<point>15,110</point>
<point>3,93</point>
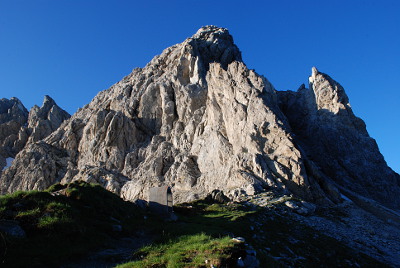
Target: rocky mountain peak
<point>12,109</point>
<point>48,101</point>
<point>197,119</point>
<point>45,119</point>
<point>213,34</point>
<point>215,44</point>
<point>18,127</point>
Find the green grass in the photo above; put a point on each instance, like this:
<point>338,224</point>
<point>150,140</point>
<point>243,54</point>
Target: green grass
<point>185,251</point>
<point>200,234</point>
<point>279,240</point>
<point>63,227</point>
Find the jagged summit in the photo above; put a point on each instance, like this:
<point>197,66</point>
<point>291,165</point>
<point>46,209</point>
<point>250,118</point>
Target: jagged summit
<point>314,71</point>
<point>211,29</point>
<point>215,44</point>
<point>193,56</point>
<point>19,127</point>
<point>48,101</point>
<point>12,110</point>
<point>197,119</point>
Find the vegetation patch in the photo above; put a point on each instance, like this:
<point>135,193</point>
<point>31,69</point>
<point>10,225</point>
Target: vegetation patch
<point>63,223</point>
<point>186,251</point>
<point>279,240</point>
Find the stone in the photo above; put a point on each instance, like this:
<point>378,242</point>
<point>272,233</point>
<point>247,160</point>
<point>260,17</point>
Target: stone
<point>301,207</point>
<point>238,239</point>
<point>12,228</point>
<point>240,262</point>
<point>292,205</point>
<point>116,228</point>
<point>309,206</point>
<point>217,196</point>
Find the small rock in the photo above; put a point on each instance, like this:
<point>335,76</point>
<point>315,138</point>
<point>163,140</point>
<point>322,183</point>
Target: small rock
<point>173,217</point>
<point>218,197</point>
<point>141,203</point>
<point>238,239</point>
<point>291,204</point>
<point>117,228</point>
<point>240,262</point>
<point>309,206</point>
<point>12,228</point>
<point>302,211</point>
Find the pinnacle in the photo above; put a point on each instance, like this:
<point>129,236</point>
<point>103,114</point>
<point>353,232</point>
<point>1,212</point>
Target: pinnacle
<point>314,71</point>
<point>211,33</point>
<point>211,29</point>
<point>15,99</point>
<point>215,44</point>
<point>48,99</point>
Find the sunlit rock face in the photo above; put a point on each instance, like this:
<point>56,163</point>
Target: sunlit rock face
<point>197,119</point>
<point>18,126</point>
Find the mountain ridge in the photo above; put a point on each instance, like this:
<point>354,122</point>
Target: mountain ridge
<point>19,127</point>
<point>196,118</point>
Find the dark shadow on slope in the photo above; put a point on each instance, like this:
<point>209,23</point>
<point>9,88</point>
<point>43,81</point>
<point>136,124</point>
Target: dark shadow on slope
<point>65,223</point>
<point>278,240</point>
<point>340,146</point>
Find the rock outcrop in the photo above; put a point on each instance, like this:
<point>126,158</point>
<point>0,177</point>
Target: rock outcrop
<point>18,127</point>
<point>197,119</point>
<point>13,117</point>
<point>337,140</point>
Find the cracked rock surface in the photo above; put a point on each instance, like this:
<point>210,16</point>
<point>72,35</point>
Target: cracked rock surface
<point>197,119</point>
<point>19,127</point>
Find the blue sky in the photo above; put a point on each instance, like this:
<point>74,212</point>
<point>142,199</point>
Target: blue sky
<point>72,49</point>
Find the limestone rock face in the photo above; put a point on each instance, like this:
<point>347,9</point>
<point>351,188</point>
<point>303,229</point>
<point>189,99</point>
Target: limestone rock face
<point>13,117</point>
<point>337,140</point>
<point>196,119</point>
<point>44,120</point>
<point>18,127</point>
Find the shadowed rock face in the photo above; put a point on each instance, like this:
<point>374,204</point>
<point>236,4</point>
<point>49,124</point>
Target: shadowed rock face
<point>197,119</point>
<point>18,127</point>
<point>337,140</point>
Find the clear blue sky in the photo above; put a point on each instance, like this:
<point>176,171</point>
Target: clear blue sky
<point>72,49</point>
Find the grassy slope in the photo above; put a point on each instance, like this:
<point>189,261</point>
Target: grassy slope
<point>279,241</point>
<point>63,227</point>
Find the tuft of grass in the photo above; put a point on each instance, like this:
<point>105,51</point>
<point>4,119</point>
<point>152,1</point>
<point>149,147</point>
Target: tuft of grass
<point>28,213</point>
<point>53,223</point>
